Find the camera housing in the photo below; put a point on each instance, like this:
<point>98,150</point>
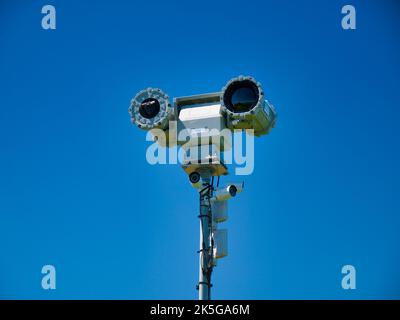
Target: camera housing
<point>219,210</point>
<point>229,191</point>
<point>220,237</point>
<point>151,109</point>
<point>243,102</point>
<point>201,120</point>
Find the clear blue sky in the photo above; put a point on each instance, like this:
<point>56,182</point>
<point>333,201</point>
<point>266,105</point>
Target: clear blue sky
<point>76,190</point>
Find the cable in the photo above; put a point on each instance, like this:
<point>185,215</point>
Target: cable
<point>205,249</point>
<point>203,244</point>
<point>205,188</point>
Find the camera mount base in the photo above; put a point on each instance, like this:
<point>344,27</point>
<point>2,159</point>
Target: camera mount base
<point>208,160</point>
<point>215,168</point>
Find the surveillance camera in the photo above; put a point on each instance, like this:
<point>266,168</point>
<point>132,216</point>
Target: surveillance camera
<point>242,100</point>
<point>195,179</point>
<point>197,123</point>
<point>229,191</point>
<point>238,187</point>
<point>151,109</point>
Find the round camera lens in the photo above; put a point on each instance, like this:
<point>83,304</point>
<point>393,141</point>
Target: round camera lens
<point>194,177</point>
<point>232,191</point>
<point>149,108</point>
<point>241,96</point>
<point>243,99</point>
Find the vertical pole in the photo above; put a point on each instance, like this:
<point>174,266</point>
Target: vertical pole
<point>205,253</point>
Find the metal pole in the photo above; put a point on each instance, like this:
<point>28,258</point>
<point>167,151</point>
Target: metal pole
<point>206,246</point>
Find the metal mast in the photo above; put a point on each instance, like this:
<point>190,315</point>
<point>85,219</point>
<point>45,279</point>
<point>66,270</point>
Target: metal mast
<point>206,242</point>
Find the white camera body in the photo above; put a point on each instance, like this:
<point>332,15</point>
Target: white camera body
<point>227,192</point>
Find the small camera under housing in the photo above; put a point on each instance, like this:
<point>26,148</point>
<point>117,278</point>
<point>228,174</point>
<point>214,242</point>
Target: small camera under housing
<point>227,192</point>
<point>195,179</point>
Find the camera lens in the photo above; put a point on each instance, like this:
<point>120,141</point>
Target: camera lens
<point>232,190</point>
<point>241,96</point>
<point>243,99</point>
<point>194,177</point>
<point>149,108</point>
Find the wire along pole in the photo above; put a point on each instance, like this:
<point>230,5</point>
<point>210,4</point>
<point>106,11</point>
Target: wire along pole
<point>206,245</point>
